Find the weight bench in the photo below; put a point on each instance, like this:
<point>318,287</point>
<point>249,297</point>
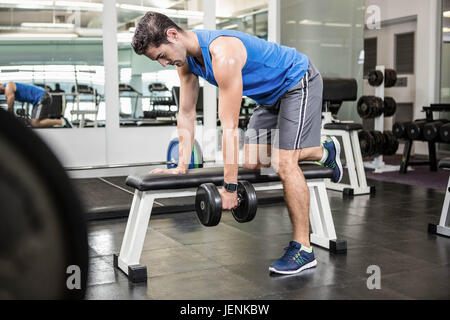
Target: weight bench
<point>443,228</point>
<point>335,91</point>
<point>154,186</point>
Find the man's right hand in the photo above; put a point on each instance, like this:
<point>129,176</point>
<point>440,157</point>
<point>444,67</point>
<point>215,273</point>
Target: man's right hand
<point>177,170</point>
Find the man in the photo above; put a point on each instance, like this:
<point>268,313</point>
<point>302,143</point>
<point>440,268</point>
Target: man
<point>288,90</point>
<point>38,98</point>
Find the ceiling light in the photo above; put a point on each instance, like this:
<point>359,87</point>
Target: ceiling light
<point>310,22</point>
<point>47,25</point>
<point>37,36</point>
<point>340,25</point>
<point>446,14</point>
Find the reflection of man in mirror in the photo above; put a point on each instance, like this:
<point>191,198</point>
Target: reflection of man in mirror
<point>38,98</point>
<point>288,90</point>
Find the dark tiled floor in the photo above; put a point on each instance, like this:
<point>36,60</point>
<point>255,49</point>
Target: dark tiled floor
<point>188,261</point>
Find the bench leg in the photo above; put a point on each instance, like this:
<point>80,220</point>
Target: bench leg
<point>134,237</point>
<point>443,228</point>
<point>322,225</point>
<point>355,165</point>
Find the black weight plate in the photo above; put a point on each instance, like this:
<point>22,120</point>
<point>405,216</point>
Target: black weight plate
<point>366,143</point>
<point>378,107</point>
<point>43,229</point>
<point>246,210</point>
<point>375,78</point>
<point>399,129</point>
<point>365,106</point>
<point>444,132</point>
<point>390,78</point>
<point>431,129</point>
<point>208,205</point>
<point>389,106</point>
<point>414,129</point>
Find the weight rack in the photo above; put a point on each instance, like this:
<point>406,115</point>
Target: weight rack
<point>432,160</point>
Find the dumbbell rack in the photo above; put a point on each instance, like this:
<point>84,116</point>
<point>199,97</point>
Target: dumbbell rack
<point>432,160</point>
<point>377,163</point>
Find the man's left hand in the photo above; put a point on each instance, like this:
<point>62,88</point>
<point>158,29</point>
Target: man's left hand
<point>229,199</point>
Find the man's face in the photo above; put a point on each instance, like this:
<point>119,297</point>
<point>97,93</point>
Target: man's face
<point>172,53</point>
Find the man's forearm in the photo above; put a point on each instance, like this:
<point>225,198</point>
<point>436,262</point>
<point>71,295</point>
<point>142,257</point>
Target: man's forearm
<point>186,138</point>
<point>10,102</point>
<point>230,150</point>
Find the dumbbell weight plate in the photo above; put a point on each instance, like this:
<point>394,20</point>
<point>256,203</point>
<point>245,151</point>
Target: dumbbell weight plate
<point>208,205</point>
<point>390,78</point>
<point>246,210</point>
<point>389,106</point>
<point>364,106</point>
<point>375,78</point>
<point>366,142</point>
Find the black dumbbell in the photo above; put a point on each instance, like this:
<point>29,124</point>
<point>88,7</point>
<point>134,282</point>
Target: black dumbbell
<point>414,130</point>
<point>379,141</point>
<point>370,107</point>
<point>375,78</point>
<point>366,143</point>
<point>391,143</point>
<point>444,132</point>
<point>208,204</point>
<point>399,129</point>
<point>431,129</point>
<point>389,106</point>
<point>390,78</point>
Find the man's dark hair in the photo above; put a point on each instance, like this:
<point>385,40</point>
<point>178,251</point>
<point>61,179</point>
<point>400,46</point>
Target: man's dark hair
<point>151,30</point>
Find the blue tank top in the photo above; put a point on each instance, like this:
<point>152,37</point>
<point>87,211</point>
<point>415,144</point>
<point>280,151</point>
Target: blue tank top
<point>28,93</point>
<point>270,69</point>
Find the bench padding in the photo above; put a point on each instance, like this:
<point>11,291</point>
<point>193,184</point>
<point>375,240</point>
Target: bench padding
<point>343,126</point>
<point>339,89</point>
<point>444,163</point>
<point>195,177</point>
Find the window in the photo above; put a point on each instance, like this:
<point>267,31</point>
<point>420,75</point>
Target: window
<point>404,53</point>
<point>370,55</point>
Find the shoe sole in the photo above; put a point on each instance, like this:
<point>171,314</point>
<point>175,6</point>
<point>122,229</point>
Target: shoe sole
<point>337,145</point>
<point>311,264</point>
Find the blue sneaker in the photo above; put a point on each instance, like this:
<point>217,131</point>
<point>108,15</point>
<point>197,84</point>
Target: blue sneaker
<point>333,160</point>
<point>295,259</point>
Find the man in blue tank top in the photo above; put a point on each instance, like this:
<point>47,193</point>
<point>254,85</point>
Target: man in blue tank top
<point>285,124</point>
<point>38,98</point>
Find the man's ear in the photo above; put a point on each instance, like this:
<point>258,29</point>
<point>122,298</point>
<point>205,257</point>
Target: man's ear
<point>172,34</point>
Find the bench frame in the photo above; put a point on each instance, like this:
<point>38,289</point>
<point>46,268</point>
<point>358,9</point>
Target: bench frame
<point>443,228</point>
<point>322,225</point>
<point>358,183</point>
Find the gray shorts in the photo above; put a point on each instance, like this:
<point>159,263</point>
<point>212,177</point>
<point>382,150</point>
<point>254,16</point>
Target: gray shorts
<point>42,109</point>
<point>294,121</point>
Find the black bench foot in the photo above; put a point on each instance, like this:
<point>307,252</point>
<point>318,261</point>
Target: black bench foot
<point>338,246</point>
<point>136,273</point>
<point>432,228</point>
<point>347,192</point>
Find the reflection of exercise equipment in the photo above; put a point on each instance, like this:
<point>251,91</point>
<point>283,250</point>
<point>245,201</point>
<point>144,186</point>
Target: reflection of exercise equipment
<point>80,91</point>
<point>127,91</point>
<point>198,107</point>
<point>173,155</point>
<point>160,95</point>
<point>43,234</point>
